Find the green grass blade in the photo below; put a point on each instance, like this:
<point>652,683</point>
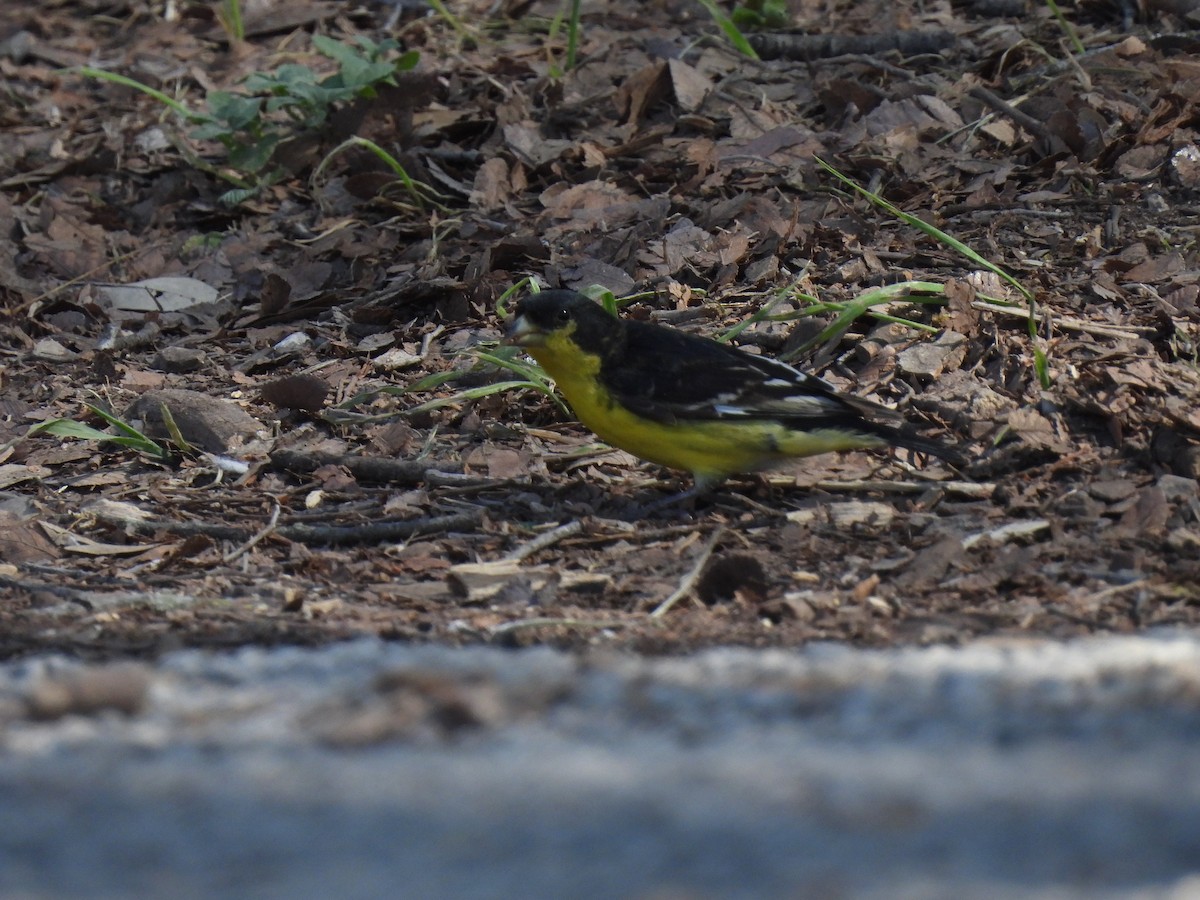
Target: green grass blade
<point>931,230</point>
<point>502,311</point>
<point>177,437</point>
<point>452,20</point>
<point>573,34</point>
<point>961,248</point>
<point>418,190</point>
<point>169,102</point>
<point>1066,27</point>
<point>122,426</point>
<point>230,16</point>
<point>475,394</point>
<point>731,30</point>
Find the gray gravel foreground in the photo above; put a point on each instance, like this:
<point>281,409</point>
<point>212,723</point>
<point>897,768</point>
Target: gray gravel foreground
<point>1001,769</point>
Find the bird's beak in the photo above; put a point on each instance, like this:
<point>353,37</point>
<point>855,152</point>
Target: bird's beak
<point>524,333</point>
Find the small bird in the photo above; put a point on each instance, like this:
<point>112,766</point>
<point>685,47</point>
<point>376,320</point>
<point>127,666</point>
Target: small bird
<point>691,403</point>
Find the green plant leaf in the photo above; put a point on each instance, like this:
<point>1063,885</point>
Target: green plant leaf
<point>69,428</point>
<point>233,110</point>
<point>502,301</point>
<point>128,437</point>
<point>359,70</point>
<point>288,77</point>
<point>407,61</point>
<point>573,33</point>
<point>273,107</point>
<point>474,394</point>
<point>251,158</point>
<point>238,195</point>
<point>335,50</point>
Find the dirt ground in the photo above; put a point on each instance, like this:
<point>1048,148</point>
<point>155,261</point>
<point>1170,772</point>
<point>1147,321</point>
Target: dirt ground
<point>310,506</point>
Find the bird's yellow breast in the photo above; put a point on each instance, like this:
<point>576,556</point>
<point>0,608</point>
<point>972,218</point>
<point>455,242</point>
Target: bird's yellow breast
<point>710,449</point>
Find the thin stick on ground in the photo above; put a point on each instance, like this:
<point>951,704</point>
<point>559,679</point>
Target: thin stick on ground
<point>262,534</point>
<point>978,490</point>
<point>689,582</point>
<point>1100,330</point>
<point>544,540</point>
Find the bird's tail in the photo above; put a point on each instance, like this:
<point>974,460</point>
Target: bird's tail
<point>908,440</point>
<point>885,423</point>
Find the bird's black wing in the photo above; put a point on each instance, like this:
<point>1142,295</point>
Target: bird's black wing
<point>669,376</point>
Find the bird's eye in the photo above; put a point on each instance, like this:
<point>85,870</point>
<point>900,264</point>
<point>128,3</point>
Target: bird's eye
<point>563,315</point>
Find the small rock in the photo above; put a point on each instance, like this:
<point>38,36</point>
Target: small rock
<point>178,360</point>
<point>794,605</point>
<point>396,358</point>
<point>851,513</point>
<point>18,46</point>
<point>1131,46</point>
<point>375,342</point>
<point>208,422</point>
<point>930,360</point>
<point>305,392</point>
<point>1176,487</point>
<point>1185,163</point>
<point>1112,490</point>
<point>152,140</point>
<point>51,350</point>
<point>293,343</point>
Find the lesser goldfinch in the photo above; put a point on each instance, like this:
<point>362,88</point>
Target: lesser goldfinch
<point>691,403</point>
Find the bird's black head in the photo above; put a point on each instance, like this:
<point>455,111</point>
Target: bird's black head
<point>541,316</point>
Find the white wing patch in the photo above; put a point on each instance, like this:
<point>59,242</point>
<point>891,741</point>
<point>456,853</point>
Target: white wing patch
<point>799,405</point>
<point>805,405</point>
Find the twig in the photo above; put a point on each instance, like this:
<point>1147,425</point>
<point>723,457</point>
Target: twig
<point>329,535</point>
<point>380,531</point>
<point>544,540</point>
<point>958,488</point>
<point>627,531</point>
<point>1118,589</point>
<point>369,468</point>
<point>873,62</point>
<point>825,46</point>
<point>440,478</point>
<point>1005,533</point>
<point>689,582</point>
<point>1026,121</point>
<point>1113,331</point>
<point>260,536</point>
